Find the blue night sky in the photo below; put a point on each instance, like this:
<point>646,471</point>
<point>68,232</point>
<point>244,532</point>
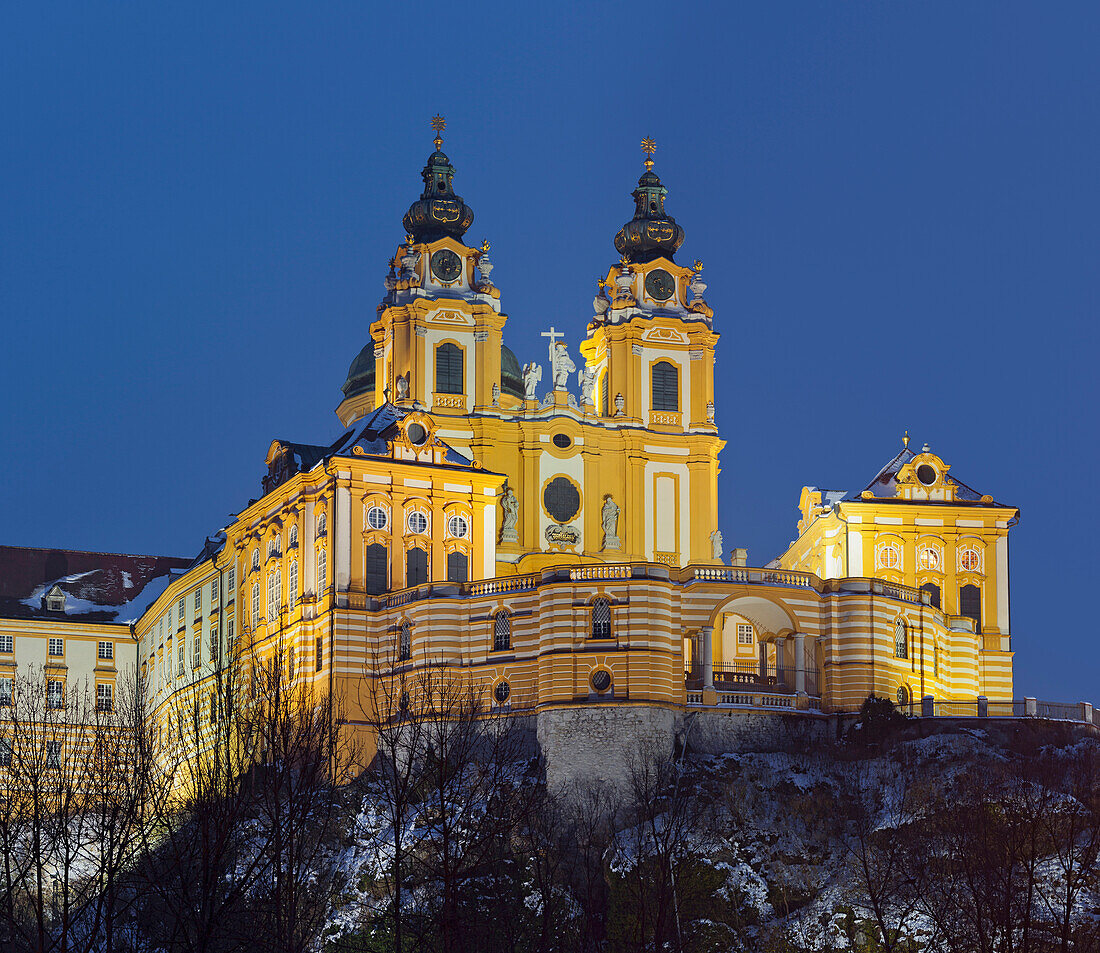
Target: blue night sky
<point>896,203</point>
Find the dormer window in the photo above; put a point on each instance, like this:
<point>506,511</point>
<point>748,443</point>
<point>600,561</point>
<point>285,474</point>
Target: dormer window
<point>927,475</point>
<point>55,599</point>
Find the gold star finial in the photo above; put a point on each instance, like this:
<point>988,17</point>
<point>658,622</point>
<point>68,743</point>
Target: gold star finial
<point>649,146</point>
<point>697,266</point>
<point>905,439</point>
<point>485,246</point>
<point>439,124</point>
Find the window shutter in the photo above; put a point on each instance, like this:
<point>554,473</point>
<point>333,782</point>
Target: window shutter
<point>377,569</point>
<point>416,567</point>
<point>448,369</point>
<point>932,588</point>
<point>666,386</point>
<point>970,605</point>
<point>456,567</point>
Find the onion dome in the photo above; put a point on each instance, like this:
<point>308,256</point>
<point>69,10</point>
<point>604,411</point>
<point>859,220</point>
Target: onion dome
<point>651,233</point>
<point>361,373</point>
<point>438,212</point>
<point>511,377</point>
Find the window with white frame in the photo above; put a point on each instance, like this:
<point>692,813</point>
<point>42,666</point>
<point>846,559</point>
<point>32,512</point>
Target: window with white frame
<point>198,602</point>
<point>255,605</point>
<point>230,583</point>
<point>106,650</point>
<point>53,755</point>
<point>404,648</point>
<point>744,633</point>
<point>215,645</point>
<point>887,556</point>
<point>181,656</point>
<point>270,596</point>
<point>970,560</point>
<point>322,571</point>
<point>278,588</point>
<point>292,583</point>
<point>901,640</point>
<point>273,547</point>
<point>292,536</point>
<point>418,522</point>
<point>230,635</point>
<point>215,590</point>
<point>377,518</point>
<point>196,653</point>
<point>104,697</point>
<point>7,643</point>
<point>55,693</point>
<point>601,619</point>
<point>255,559</point>
<point>5,753</point>
<point>55,647</point>
<point>183,611</point>
<point>322,523</point>
<point>55,599</point>
<point>502,631</point>
<point>6,688</point>
<point>458,527</point>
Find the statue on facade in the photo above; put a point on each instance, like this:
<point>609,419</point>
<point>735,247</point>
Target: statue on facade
<point>563,366</point>
<point>609,516</point>
<point>402,386</point>
<point>510,507</point>
<point>716,544</point>
<point>532,374</point>
<point>710,411</point>
<point>586,378</point>
<point>496,394</point>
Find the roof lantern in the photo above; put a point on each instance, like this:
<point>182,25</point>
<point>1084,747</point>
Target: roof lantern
<point>438,213</point>
<point>651,233</point>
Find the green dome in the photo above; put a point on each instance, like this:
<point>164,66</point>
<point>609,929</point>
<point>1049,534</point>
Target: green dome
<point>361,373</point>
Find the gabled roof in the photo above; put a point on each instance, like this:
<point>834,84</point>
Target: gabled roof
<point>884,484</point>
<point>98,587</point>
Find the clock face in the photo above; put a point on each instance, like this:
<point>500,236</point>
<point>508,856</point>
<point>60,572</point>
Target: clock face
<point>660,285</point>
<point>446,265</point>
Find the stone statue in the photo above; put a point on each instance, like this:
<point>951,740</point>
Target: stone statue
<point>496,394</point>
<point>716,544</point>
<point>586,378</point>
<point>563,366</point>
<point>609,515</point>
<point>510,506</point>
<point>532,374</point>
<point>710,411</point>
<point>402,386</point>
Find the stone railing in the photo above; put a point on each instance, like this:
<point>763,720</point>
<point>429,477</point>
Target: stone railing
<point>606,571</point>
<point>502,584</point>
<point>895,590</point>
<point>759,577</point>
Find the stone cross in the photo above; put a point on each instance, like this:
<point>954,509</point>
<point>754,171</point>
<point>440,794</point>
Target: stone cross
<point>553,335</point>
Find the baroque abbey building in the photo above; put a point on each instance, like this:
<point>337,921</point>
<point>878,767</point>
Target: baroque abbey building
<point>548,529</point>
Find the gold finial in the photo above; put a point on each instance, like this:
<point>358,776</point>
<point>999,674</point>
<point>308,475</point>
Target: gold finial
<point>485,247</point>
<point>409,239</point>
<point>697,266</point>
<point>905,439</point>
<point>649,146</point>
<point>624,261</point>
<point>439,124</point>
<point>601,282</point>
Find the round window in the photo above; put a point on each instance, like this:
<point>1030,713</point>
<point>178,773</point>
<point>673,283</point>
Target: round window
<point>501,692</point>
<point>926,474</point>
<point>562,499</point>
<point>418,522</point>
<point>969,560</point>
<point>458,527</point>
<point>377,518</point>
<point>562,440</point>
<point>416,434</point>
<point>929,559</point>
<point>601,680</point>
<point>888,557</point>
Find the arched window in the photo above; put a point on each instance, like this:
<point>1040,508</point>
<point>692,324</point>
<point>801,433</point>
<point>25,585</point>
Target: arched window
<point>601,619</point>
<point>502,632</point>
<point>666,386</point>
<point>255,559</point>
<point>456,567</point>
<point>970,605</point>
<point>404,648</point>
<point>278,588</point>
<point>448,369</point>
<point>322,571</point>
<point>292,538</point>
<point>292,588</point>
<point>901,640</point>
<point>273,547</point>
<point>255,605</point>
<point>932,589</point>
<point>377,569</point>
<point>271,597</point>
<point>322,523</point>
<point>416,566</point>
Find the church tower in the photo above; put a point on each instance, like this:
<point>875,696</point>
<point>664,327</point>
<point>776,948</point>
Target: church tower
<point>623,471</point>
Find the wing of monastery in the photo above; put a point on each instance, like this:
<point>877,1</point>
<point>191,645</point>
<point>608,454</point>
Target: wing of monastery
<point>549,528</point>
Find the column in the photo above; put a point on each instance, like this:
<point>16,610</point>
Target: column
<point>706,636</point>
<point>799,662</point>
<point>762,651</point>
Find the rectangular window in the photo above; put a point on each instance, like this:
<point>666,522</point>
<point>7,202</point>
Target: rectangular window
<point>270,596</point>
<point>6,687</point>
<point>214,592</point>
<point>320,655</point>
<point>180,657</point>
<point>7,643</point>
<point>666,386</point>
<point>255,605</point>
<point>448,369</point>
<point>106,650</point>
<point>322,572</point>
<point>215,655</point>
<point>198,603</point>
<point>230,583</point>
<point>744,634</point>
<point>104,697</point>
<point>196,653</point>
<point>56,647</point>
<point>53,754</point>
<point>183,610</point>
<point>213,709</point>
<point>55,693</point>
<point>231,635</point>
<point>292,594</point>
<point>5,753</point>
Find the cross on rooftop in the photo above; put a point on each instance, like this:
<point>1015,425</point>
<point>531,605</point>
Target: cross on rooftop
<point>553,335</point>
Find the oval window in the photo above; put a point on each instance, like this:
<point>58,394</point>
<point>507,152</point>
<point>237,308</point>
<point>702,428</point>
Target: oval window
<point>601,680</point>
<point>562,440</point>
<point>926,474</point>
<point>416,434</point>
<point>501,692</point>
<point>377,518</point>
